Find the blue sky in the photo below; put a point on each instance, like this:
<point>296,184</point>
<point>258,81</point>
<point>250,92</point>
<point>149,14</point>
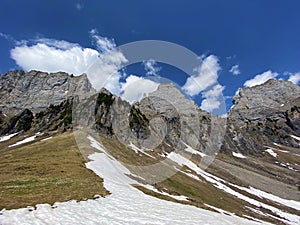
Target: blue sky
<point>250,37</point>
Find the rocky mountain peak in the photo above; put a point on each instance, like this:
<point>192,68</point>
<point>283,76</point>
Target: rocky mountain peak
<point>263,115</point>
<point>272,93</point>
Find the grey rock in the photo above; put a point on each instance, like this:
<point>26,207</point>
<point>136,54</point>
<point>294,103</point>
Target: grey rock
<point>262,115</point>
<point>36,90</point>
<point>271,94</point>
<point>165,119</point>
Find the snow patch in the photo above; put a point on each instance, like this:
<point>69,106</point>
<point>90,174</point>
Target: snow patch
<point>221,184</point>
<point>177,197</point>
<point>219,210</point>
<point>295,137</point>
<point>192,176</point>
<point>262,194</point>
<point>277,144</point>
<point>287,166</point>
<point>139,150</point>
<point>238,155</point>
<point>193,151</point>
<point>7,137</point>
<point>46,139</point>
<point>271,152</point>
<point>26,140</point>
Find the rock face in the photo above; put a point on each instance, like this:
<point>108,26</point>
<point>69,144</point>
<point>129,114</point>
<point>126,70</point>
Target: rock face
<point>173,120</point>
<point>263,115</point>
<point>271,94</point>
<point>20,122</point>
<point>37,90</point>
<point>166,119</point>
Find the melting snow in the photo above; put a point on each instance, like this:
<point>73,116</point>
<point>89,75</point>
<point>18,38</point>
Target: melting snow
<point>193,151</point>
<point>271,152</point>
<point>290,203</point>
<point>295,137</point>
<point>177,197</point>
<point>7,137</point>
<point>277,144</point>
<point>219,210</point>
<point>238,155</point>
<point>220,184</point>
<point>26,140</point>
<point>125,205</point>
<point>46,139</point>
<point>139,150</point>
<point>287,166</point>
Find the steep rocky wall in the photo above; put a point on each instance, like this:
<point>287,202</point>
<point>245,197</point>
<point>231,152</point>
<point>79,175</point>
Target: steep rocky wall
<point>37,90</point>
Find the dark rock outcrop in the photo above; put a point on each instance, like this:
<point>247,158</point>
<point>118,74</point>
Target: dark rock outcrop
<point>20,122</point>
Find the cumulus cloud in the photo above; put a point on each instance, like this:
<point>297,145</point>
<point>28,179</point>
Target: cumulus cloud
<point>105,72</point>
<point>205,81</point>
<point>235,70</point>
<point>135,88</point>
<point>52,56</point>
<point>151,67</point>
<point>295,78</point>
<point>261,78</point>
<point>101,65</point>
<point>213,98</point>
<point>206,76</point>
<point>210,104</point>
<point>60,44</point>
<point>214,92</point>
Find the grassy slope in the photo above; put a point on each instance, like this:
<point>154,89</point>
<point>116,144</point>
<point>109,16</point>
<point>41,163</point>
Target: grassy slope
<point>45,172</point>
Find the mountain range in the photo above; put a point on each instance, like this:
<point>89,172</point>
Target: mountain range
<point>245,163</point>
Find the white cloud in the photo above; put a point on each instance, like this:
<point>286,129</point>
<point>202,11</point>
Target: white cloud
<point>103,44</point>
<point>105,71</point>
<point>210,104</point>
<point>151,67</point>
<point>7,37</point>
<point>235,70</point>
<point>79,6</point>
<point>261,78</point>
<point>135,88</point>
<point>295,78</point>
<point>52,56</point>
<point>213,98</point>
<point>214,92</point>
<point>207,75</point>
<point>60,44</point>
<point>102,65</point>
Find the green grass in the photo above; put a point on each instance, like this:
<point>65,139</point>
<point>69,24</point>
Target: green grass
<point>45,172</point>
